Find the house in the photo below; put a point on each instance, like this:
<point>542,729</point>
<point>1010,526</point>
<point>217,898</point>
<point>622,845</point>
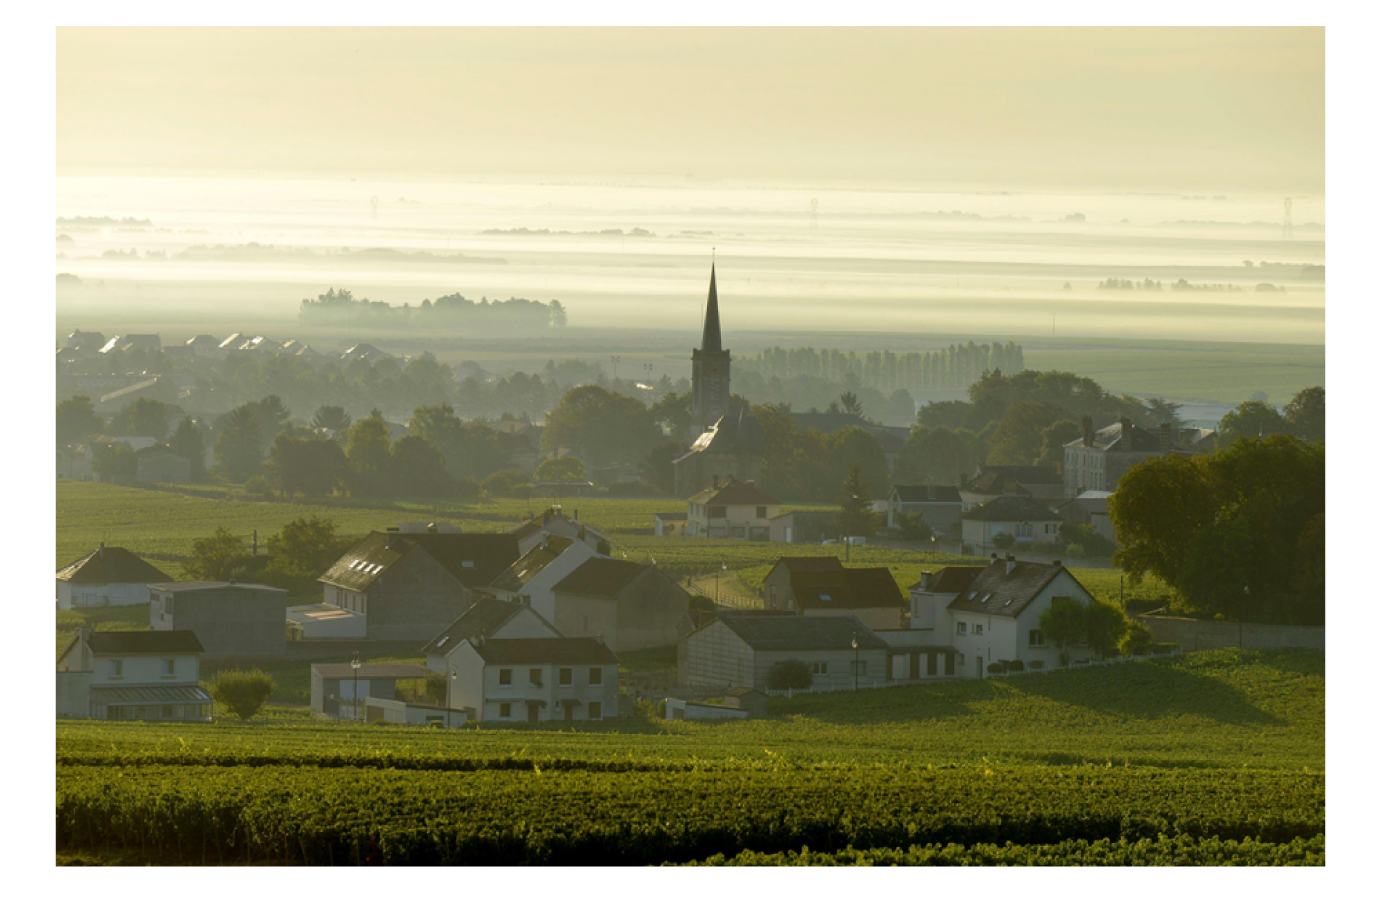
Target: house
<point>1089,508</point>
<point>822,586</point>
<point>232,342</point>
<point>1041,483</point>
<point>1023,518</point>
<point>997,617</point>
<point>144,342</point>
<point>410,586</point>
<point>77,462</point>
<point>163,467</point>
<point>106,577</point>
<point>229,618</point>
<point>732,445</point>
<point>534,680</point>
<point>86,341</point>
<point>532,577</point>
<point>132,676</point>
<point>731,509</point>
<point>940,506</point>
<point>204,346</point>
<point>749,700</point>
<point>668,525</point>
<point>680,709</point>
<point>340,690</point>
<point>489,618</point>
<point>162,389</point>
<point>307,622</point>
<point>553,522</point>
<point>1097,460</point>
<point>802,527</point>
<point>365,352</point>
<point>631,606</point>
<point>936,591</point>
<point>739,649</point>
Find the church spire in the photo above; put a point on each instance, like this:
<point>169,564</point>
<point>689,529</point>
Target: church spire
<point>712,341</point>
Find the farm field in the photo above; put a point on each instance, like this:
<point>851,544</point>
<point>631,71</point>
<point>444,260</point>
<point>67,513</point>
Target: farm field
<point>1215,757</point>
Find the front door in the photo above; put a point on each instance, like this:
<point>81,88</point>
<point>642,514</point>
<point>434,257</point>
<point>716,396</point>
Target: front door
<point>979,667</point>
<point>533,709</point>
<point>569,710</point>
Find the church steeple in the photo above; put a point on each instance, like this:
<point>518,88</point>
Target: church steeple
<point>712,341</point>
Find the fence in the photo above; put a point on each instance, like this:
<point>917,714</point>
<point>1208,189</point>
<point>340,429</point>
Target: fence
<point>1203,635</point>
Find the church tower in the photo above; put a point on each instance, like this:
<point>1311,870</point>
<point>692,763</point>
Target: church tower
<point>709,369</point>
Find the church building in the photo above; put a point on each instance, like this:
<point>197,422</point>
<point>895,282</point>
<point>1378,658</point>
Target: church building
<point>728,439</point>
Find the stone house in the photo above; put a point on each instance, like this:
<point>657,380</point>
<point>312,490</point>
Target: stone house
<point>106,577</point>
<point>630,606</point>
<point>1097,460</point>
<point>229,618</point>
<point>822,586</point>
<point>132,676</point>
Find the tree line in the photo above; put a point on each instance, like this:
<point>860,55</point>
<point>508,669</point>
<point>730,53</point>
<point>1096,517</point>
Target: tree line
<point>953,368</point>
<point>524,315</point>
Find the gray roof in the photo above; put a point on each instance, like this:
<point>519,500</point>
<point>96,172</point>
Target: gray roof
<point>928,493</point>
<point>1002,593</point>
<point>792,633</point>
<point>530,564</point>
<point>1012,509</point>
<point>484,618</point>
<point>546,651</point>
<point>207,585</point>
<point>153,693</point>
<point>169,641</point>
<point>111,565</point>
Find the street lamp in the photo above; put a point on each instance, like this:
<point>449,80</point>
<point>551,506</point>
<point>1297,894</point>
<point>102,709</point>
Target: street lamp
<point>354,691</point>
<point>855,662</point>
<point>723,568</point>
<point>452,679</point>
<point>1240,635</point>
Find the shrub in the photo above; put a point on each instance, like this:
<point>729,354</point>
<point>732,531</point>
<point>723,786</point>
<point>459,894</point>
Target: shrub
<point>1003,540</point>
<point>1076,552</point>
<point>243,692</point>
<point>1106,625</point>
<point>790,675</point>
<point>502,482</point>
<point>1046,547</point>
<point>966,550</point>
<point>996,668</point>
<point>258,486</point>
<point>1037,665</point>
<point>1138,639</point>
<point>1014,666</point>
<point>436,687</point>
<point>466,487</point>
<point>1023,547</point>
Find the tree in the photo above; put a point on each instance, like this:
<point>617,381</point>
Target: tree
<point>672,412</point>
<point>273,415</point>
<point>243,692</point>
<point>1106,626</point>
<point>1138,639</point>
<point>507,483</point>
<point>1160,411</point>
<point>302,462</point>
<point>306,546</point>
<point>1253,419</point>
<point>601,426</point>
<point>333,418</point>
<point>1064,624</point>
<point>472,448</point>
<point>900,407</point>
<point>367,451</point>
<point>145,417</point>
<point>1305,412</point>
<point>76,418</point>
<point>856,447</point>
<point>219,557</point>
<point>114,462</point>
<point>855,504</point>
<point>1052,441</point>
<point>562,468</point>
<point>1019,437</point>
<point>239,448</point>
<point>658,467</point>
<point>934,456</point>
<point>189,442</point>
<point>790,674</point>
<point>849,401</point>
<point>418,469</point>
<point>558,316</point>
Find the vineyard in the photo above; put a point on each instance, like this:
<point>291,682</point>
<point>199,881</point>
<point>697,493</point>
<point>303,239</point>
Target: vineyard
<point>1214,758</point>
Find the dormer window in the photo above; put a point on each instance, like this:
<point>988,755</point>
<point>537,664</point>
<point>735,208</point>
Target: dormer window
<point>467,564</point>
<point>826,597</point>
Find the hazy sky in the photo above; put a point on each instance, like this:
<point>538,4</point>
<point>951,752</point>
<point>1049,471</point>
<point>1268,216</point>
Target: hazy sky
<point>1137,108</point>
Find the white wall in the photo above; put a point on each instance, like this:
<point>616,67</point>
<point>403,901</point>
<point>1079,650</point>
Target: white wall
<point>121,594</point>
<point>538,591</point>
<point>145,669</point>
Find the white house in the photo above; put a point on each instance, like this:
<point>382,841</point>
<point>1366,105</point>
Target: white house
<point>531,680</point>
<point>939,505</point>
<point>996,617</point>
<point>106,577</point>
<point>741,647</point>
<point>132,676</point>
<point>553,522</point>
<point>532,577</point>
<point>489,618</point>
<point>932,595</point>
<point>1023,518</point>
<point>731,509</point>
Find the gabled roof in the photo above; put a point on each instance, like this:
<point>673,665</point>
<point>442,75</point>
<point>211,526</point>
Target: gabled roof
<point>927,493</point>
<point>542,520</point>
<point>998,592</point>
<point>1023,474</point>
<point>531,563</point>
<point>792,633</point>
<point>1116,438</point>
<point>952,579</point>
<point>867,586</point>
<point>734,493</point>
<point>560,651</point>
<point>172,641</point>
<point>110,565</point>
<point>205,585</point>
<point>997,483</point>
<point>485,617</point>
<point>475,559</point>
<point>809,564</point>
<point>601,577</point>
<point>1011,509</point>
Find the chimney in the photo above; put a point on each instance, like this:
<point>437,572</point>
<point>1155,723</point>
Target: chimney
<point>751,482</point>
<point>715,482</point>
<point>963,480</point>
<point>100,551</point>
<point>1058,562</point>
<point>1127,441</point>
<point>1166,436</point>
<point>1087,431</point>
<point>1010,563</point>
<point>577,515</point>
<point>926,580</point>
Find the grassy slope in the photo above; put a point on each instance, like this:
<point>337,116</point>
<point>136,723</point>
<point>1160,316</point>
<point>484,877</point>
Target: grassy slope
<point>1226,709</point>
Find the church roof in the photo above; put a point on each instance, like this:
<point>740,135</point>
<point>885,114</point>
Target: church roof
<point>712,341</point>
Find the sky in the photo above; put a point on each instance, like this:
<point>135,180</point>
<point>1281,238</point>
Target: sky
<point>1144,109</point>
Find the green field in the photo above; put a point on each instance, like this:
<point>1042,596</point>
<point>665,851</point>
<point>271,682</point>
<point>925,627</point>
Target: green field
<point>1214,758</point>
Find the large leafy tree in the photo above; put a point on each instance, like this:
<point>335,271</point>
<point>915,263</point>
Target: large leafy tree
<point>1019,437</point>
<point>145,417</point>
<point>303,462</point>
<point>221,557</point>
<point>76,418</point>
<point>367,451</point>
<point>331,417</point>
<point>561,468</point>
<point>600,426</point>
<point>1064,624</point>
<point>304,548</point>
<point>856,448</point>
<point>1253,419</point>
<point>855,516</point>
<point>1052,441</point>
<point>418,469</point>
<point>934,456</point>
<point>189,442</point>
<point>239,448</point>
<point>470,448</point>
<point>1306,413</point>
<point>1106,625</point>
<point>658,467</point>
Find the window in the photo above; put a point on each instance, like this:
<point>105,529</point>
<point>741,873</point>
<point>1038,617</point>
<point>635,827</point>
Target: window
<point>167,604</point>
<point>977,629</point>
<point>958,659</point>
<point>596,676</point>
<point>596,710</point>
<point>165,712</point>
<point>505,710</point>
<point>1025,530</point>
<point>820,668</point>
<point>534,676</point>
<point>505,677</point>
<point>962,628</point>
<point>117,669</point>
<point>717,512</point>
<point>1037,638</point>
<point>860,668</point>
<point>169,667</point>
<point>567,676</point>
<point>761,512</point>
<point>826,598</point>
